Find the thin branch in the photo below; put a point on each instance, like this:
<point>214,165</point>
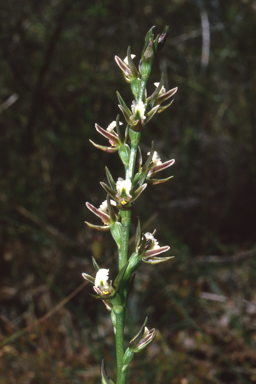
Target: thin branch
<point>206,39</point>
<point>11,100</point>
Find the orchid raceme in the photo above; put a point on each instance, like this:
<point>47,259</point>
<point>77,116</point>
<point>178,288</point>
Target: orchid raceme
<point>116,211</point>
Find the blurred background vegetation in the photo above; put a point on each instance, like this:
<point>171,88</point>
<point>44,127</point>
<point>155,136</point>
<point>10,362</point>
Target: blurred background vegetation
<point>58,78</point>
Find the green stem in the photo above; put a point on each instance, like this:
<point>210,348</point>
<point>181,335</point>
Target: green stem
<point>126,222</point>
<point>143,87</point>
<point>123,257</point>
<point>119,313</point>
<point>119,310</point>
<point>135,139</point>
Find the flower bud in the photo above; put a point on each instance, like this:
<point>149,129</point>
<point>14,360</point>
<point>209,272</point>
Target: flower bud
<point>151,47</point>
<point>162,38</point>
<point>147,337</point>
<point>142,338</point>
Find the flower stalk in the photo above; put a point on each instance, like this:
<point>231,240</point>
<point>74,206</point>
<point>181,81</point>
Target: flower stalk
<point>116,211</point>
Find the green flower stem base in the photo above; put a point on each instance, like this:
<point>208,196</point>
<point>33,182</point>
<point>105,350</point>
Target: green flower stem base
<point>120,310</point>
<point>119,336</point>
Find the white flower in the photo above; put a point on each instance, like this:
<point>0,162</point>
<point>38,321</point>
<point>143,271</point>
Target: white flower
<point>112,126</point>
<point>126,59</point>
<point>138,107</point>
<point>162,90</point>
<point>153,243</point>
<point>101,278</point>
<point>123,187</point>
<point>104,206</point>
<point>155,158</point>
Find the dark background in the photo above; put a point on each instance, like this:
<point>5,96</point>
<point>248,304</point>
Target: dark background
<point>58,78</point>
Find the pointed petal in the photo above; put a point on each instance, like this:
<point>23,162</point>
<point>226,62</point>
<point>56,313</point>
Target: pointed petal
<point>132,67</point>
<point>102,228</point>
<point>110,191</point>
<point>167,95</point>
<point>105,218</point>
<point>156,42</point>
<point>145,340</point>
<point>110,210</point>
<point>160,167</point>
<point>158,181</point>
<point>137,193</point>
<point>126,115</point>
<point>142,245</point>
<point>124,68</point>
<point>157,251</point>
<point>107,134</point>
<point>110,179</point>
<point>136,179</point>
<point>156,260</point>
<point>122,103</point>
<point>103,148</point>
<point>161,109</point>
<point>162,38</point>
<point>88,278</point>
<point>138,335</point>
<point>95,264</point>
<point>152,112</point>
<point>154,95</point>
<point>119,133</point>
<point>149,159</point>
